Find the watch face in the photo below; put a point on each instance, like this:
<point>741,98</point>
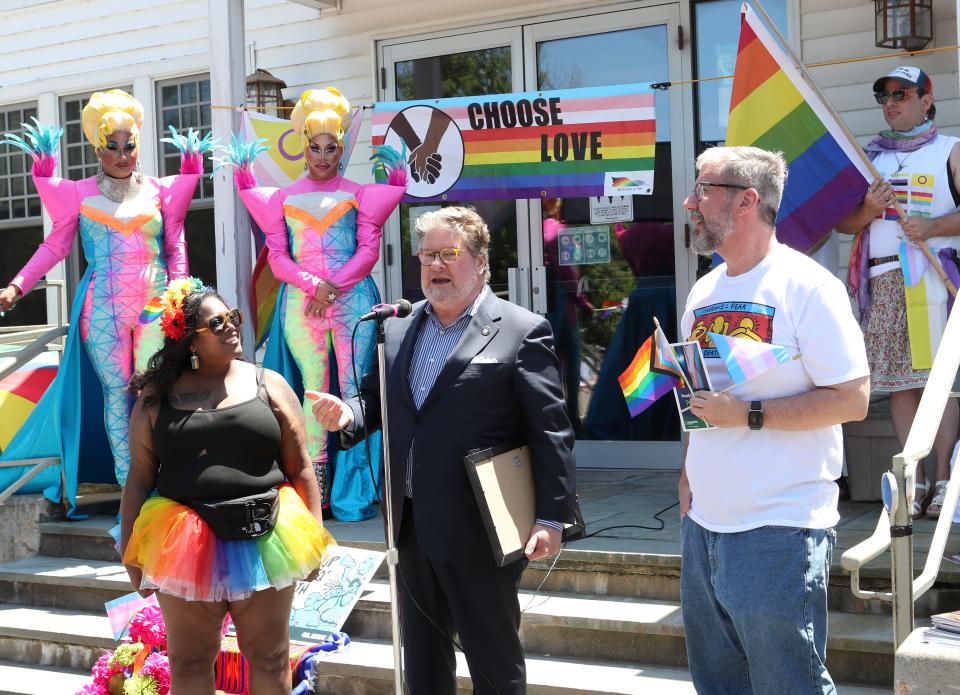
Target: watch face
<point>755,419</point>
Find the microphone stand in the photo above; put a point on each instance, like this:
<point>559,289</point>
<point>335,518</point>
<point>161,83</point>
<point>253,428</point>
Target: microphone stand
<point>392,555</point>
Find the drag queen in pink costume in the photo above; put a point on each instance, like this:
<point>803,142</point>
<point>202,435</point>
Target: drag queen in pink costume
<point>131,228</point>
<point>323,238</point>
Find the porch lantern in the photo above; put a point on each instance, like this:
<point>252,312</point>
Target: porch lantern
<point>906,24</point>
<point>264,91</point>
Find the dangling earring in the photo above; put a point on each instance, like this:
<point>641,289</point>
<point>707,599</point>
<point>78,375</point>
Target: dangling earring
<point>194,361</point>
<point>305,166</point>
<point>100,174</point>
<point>138,173</point>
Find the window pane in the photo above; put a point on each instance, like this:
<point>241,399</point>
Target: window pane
<point>717,34</point>
<point>171,117</point>
<point>169,95</point>
<point>188,93</point>
<point>74,157</point>
<point>204,90</point>
<point>71,110</point>
<point>455,75</point>
<point>190,117</point>
<point>19,243</point>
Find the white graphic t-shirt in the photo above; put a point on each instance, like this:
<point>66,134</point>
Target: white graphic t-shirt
<point>741,478</point>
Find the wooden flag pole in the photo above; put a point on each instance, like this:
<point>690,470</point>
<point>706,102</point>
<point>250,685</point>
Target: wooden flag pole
<point>934,261</point>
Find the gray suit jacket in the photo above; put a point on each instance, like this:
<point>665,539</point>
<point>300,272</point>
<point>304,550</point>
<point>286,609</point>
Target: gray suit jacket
<point>500,386</point>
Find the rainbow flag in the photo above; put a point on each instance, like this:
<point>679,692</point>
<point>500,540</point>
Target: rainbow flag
<point>654,371</point>
<point>746,358</point>
<point>151,312</point>
<point>563,143</point>
<point>772,107</point>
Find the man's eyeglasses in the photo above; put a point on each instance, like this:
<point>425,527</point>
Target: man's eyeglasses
<point>897,94</point>
<point>698,189</point>
<point>447,256</point>
<point>216,324</point>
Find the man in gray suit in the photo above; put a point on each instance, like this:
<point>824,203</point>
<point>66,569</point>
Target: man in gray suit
<point>465,370</point>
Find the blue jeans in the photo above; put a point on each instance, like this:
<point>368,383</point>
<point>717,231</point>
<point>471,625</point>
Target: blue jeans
<point>754,609</point>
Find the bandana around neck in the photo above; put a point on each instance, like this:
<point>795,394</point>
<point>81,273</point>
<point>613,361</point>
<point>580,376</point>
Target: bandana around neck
<point>908,141</point>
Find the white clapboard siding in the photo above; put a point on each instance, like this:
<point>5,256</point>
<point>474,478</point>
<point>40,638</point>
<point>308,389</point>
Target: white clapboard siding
<point>837,29</point>
<point>65,47</point>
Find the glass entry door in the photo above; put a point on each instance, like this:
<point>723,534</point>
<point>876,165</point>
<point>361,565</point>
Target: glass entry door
<point>605,267</point>
<point>485,62</point>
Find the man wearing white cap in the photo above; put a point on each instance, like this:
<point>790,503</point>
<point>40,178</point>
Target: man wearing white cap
<point>903,303</point>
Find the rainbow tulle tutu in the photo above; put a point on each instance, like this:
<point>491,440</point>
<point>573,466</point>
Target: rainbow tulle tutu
<point>181,556</point>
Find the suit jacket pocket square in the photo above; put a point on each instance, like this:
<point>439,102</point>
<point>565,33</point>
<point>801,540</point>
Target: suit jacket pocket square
<point>484,359</point>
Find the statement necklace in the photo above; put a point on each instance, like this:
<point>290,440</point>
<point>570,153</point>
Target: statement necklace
<point>119,190</point>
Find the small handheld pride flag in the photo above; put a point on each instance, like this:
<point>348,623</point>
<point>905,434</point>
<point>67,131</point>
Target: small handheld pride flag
<point>746,359</point>
<point>653,372</point>
<point>152,311</point>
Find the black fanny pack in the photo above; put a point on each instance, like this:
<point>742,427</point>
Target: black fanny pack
<point>241,518</point>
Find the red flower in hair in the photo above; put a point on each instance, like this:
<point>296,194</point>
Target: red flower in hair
<point>173,324</point>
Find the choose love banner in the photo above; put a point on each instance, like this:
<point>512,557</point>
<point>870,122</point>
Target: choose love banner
<point>597,141</point>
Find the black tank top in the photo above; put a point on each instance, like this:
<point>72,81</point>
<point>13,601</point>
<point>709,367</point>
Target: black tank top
<point>218,454</point>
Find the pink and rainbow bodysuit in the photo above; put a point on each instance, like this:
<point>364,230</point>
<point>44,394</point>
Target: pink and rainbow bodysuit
<point>132,249</point>
<point>327,230</point>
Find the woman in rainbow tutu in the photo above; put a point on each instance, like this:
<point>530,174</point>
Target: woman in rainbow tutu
<point>237,518</point>
<point>131,228</point>
<point>323,239</point>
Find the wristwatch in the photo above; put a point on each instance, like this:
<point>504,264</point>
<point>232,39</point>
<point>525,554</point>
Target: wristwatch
<point>755,415</point>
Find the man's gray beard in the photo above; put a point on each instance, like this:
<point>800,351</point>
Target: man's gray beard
<point>709,239</point>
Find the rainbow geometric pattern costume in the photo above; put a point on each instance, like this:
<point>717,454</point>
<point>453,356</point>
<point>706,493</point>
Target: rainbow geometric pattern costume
<point>132,249</point>
<point>326,230</point>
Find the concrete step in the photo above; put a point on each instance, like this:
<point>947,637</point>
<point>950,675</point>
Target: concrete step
<point>53,637</point>
<point>68,583</point>
<point>623,629</point>
<point>88,539</point>
<point>591,572</point>
<point>20,679</point>
<point>366,668</point>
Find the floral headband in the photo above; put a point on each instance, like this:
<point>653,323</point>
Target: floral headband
<point>168,307</point>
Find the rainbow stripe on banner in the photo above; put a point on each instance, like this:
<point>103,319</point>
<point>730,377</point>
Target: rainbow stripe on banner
<point>772,107</point>
<point>654,371</point>
<point>746,359</point>
<point>564,143</point>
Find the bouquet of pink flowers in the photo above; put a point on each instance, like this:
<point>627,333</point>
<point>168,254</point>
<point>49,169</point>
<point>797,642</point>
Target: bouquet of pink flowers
<point>139,667</point>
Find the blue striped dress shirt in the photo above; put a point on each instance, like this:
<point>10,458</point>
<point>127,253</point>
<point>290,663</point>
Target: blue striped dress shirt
<point>435,343</point>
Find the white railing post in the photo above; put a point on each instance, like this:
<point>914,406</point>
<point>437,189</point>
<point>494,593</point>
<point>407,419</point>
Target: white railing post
<point>901,549</point>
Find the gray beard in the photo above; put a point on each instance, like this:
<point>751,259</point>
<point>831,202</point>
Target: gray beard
<point>708,240</point>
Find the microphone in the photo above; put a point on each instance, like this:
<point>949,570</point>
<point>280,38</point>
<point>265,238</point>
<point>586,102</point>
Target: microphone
<point>381,312</point>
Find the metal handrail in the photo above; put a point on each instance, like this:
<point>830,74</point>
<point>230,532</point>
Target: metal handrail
<point>895,525</point>
<point>37,339</point>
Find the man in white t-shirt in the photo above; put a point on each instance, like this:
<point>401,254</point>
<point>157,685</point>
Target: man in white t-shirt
<point>757,491</point>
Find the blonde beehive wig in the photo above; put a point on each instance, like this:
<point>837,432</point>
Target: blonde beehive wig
<point>321,112</point>
<point>109,112</point>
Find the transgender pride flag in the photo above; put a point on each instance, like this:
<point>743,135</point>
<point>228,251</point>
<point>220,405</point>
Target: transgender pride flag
<point>745,358</point>
<point>772,107</point>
